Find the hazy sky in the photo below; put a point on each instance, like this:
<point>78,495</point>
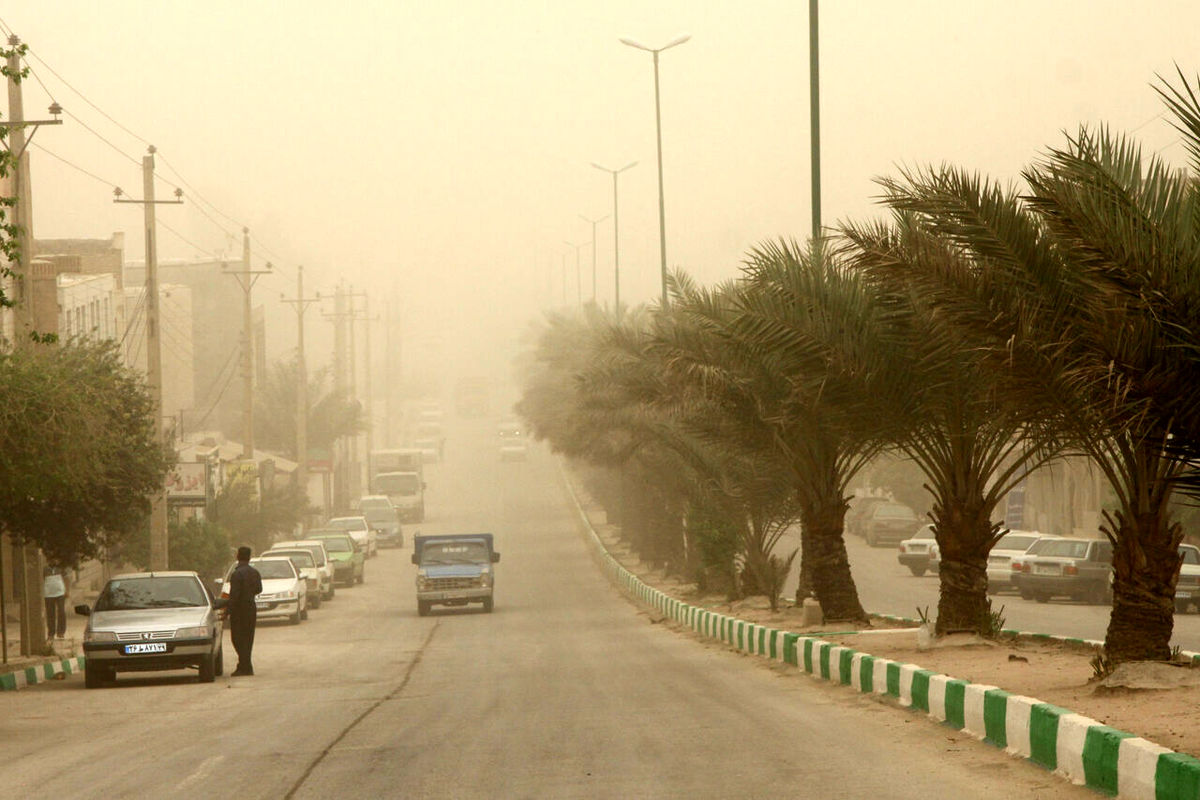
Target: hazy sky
<point>442,149</point>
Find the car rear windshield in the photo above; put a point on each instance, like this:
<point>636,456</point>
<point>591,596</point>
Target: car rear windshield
<point>348,523</point>
<point>161,591</point>
<point>1015,541</point>
<point>1190,555</point>
<point>1064,548</point>
<point>894,511</point>
<point>376,516</point>
<point>301,558</point>
<point>454,553</point>
<point>379,505</point>
<point>408,483</point>
<point>338,544</point>
<point>274,568</point>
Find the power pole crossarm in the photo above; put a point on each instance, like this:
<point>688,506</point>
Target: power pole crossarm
<point>246,278</point>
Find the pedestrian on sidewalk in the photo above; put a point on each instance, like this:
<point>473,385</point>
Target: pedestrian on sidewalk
<point>245,584</point>
<point>54,590</point>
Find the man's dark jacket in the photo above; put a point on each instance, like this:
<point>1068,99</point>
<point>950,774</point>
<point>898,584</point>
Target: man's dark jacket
<point>244,585</point>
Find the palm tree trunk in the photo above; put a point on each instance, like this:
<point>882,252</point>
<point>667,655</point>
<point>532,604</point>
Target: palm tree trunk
<point>964,534</point>
<point>1146,564</point>
<point>828,564</point>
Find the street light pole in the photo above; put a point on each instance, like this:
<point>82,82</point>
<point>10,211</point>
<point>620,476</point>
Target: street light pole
<point>814,104</point>
<point>578,282</point>
<point>662,223</point>
<point>616,238</point>
<point>593,222</point>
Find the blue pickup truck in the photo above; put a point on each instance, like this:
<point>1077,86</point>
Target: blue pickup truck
<point>454,570</point>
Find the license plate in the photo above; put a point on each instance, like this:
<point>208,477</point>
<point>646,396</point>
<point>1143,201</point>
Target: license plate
<point>1183,595</point>
<point>263,606</point>
<point>152,647</point>
<point>1045,569</point>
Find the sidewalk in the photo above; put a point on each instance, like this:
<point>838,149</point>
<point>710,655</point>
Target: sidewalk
<point>20,671</point>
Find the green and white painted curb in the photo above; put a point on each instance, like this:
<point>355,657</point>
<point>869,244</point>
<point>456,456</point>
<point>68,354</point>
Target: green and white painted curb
<point>39,673</point>
<point>1075,747</point>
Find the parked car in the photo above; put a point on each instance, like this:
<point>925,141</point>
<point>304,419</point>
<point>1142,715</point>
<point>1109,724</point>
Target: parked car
<point>284,593</point>
<point>145,621</point>
<point>360,530</point>
<point>321,556</point>
<point>856,515</point>
<point>999,565</point>
<point>889,523</point>
<point>1018,567</point>
<point>1187,588</point>
<point>345,554</point>
<point>384,518</point>
<point>1078,568</point>
<point>914,551</point>
<point>302,559</point>
<point>406,490</point>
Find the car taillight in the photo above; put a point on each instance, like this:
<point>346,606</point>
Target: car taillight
<point>1016,566</point>
<point>902,547</point>
<point>1070,569</point>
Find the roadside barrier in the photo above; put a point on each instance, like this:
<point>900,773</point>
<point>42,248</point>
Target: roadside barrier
<point>39,673</point>
<point>1070,745</point>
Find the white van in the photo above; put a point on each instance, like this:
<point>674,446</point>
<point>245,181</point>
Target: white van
<point>406,490</point>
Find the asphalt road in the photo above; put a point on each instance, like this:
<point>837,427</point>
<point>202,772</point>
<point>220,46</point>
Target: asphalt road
<point>566,690</point>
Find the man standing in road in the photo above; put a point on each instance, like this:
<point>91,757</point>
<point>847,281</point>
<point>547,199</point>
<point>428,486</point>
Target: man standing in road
<point>245,584</point>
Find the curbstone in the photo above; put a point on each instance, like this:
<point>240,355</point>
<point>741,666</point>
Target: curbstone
<point>1071,745</point>
<point>39,673</point>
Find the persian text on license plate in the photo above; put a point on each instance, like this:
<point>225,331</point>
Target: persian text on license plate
<point>151,647</point>
<point>1045,569</point>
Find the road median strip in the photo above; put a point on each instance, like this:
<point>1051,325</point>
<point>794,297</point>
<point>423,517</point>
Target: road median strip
<point>1070,745</point>
<point>39,673</point>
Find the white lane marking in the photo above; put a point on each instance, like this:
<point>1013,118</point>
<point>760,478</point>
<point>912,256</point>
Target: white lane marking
<point>202,771</point>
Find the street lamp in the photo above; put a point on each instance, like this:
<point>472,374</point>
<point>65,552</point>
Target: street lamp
<point>662,224</point>
<point>578,283</point>
<point>593,222</point>
<point>616,240</point>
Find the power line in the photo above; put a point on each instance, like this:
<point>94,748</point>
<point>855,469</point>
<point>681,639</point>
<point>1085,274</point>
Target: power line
<point>73,165</point>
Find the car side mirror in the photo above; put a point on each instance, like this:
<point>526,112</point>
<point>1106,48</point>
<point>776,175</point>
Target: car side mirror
<point>83,611</point>
<point>495,558</point>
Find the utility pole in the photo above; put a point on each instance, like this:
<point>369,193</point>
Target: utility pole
<point>593,222</point>
<point>355,316</point>
<point>246,278</point>
<point>28,559</point>
<point>339,317</point>
<point>301,303</point>
<point>616,236</point>
<point>391,362</point>
<point>159,548</point>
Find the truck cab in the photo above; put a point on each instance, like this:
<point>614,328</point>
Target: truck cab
<point>454,570</point>
<point>406,490</point>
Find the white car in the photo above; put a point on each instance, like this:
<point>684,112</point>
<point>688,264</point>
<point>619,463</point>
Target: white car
<point>302,559</point>
<point>1187,588</point>
<point>320,555</point>
<point>360,531</point>
<point>914,552</point>
<point>999,565</point>
<point>284,593</point>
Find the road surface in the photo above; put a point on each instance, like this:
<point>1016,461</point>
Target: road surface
<point>566,690</point>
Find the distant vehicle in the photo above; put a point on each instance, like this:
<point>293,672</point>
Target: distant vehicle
<point>145,621</point>
<point>284,593</point>
<point>406,490</point>
<point>320,555</point>
<point>1187,588</point>
<point>1019,566</point>
<point>471,396</point>
<point>348,560</point>
<point>512,441</point>
<point>914,552</point>
<point>454,570</point>
<point>889,523</point>
<point>1078,568</point>
<point>302,559</point>
<point>430,449</point>
<point>999,564</point>
<point>384,518</point>
<point>403,459</point>
<point>360,530</point>
<point>860,507</point>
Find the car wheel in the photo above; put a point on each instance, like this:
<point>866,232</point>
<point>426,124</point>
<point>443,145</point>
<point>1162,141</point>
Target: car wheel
<point>94,677</point>
<point>208,669</point>
<point>1025,594</point>
<point>316,601</point>
<point>1041,597</point>
<point>872,540</point>
<point>304,613</point>
<point>219,666</point>
<point>487,605</point>
<point>423,607</point>
<point>917,571</point>
<point>1181,606</point>
<point>332,589</point>
<point>362,576</point>
<point>294,619</point>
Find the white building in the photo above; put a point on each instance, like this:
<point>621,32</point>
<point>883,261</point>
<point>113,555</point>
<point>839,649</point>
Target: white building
<point>87,306</point>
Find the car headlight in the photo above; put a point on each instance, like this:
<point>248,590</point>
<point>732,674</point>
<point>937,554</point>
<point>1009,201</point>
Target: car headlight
<point>199,632</point>
<point>485,580</point>
<point>289,595</point>
<point>90,635</point>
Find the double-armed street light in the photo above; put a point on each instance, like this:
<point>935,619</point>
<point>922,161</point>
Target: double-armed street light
<point>593,223</point>
<point>662,225</point>
<point>616,239</point>
<point>578,282</point>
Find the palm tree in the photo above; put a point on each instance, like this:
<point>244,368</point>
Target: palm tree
<point>331,415</point>
<point>1041,305</point>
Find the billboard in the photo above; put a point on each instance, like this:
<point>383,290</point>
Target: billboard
<point>187,483</point>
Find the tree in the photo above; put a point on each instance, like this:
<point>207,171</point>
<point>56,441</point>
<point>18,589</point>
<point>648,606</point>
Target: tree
<point>331,414</point>
<point>256,518</point>
<point>200,545</point>
<point>81,456</point>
